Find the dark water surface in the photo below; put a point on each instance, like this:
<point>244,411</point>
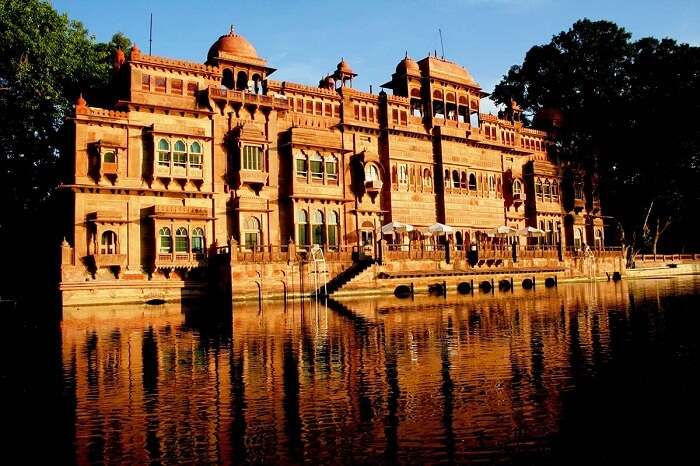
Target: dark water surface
<point>590,373</point>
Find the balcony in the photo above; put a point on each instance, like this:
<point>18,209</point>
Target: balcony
<point>180,260</point>
<point>108,260</point>
<point>109,168</point>
<point>252,177</point>
<point>579,204</point>
<point>248,98</point>
<point>518,198</point>
<point>373,185</point>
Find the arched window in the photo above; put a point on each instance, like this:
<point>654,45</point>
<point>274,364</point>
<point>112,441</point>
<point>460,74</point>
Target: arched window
<point>316,163</point>
<point>394,174</point>
<point>164,153</point>
<point>257,84</point>
<point>427,178</point>
<point>403,174</point>
<point>196,155</point>
<point>302,228</point>
<point>198,241</point>
<point>166,240</point>
<point>332,168</point>
<point>517,188</point>
<point>546,191</point>
<point>463,180</point>
<point>179,154</point>
<point>241,81</point>
<point>492,183</point>
<point>317,228</point>
<point>227,78</point>
<point>181,240</point>
<point>555,190</point>
<point>108,243</point>
<point>598,238</point>
<point>333,229</point>
<point>578,190</point>
<point>472,182</point>
<point>578,235</point>
<point>550,232</point>
<point>455,179</point>
<point>372,173</point>
<point>538,188</point>
<point>447,178</point>
<point>301,165</point>
<point>252,235</point>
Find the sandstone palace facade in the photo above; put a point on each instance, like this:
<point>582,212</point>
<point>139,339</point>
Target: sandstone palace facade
<point>195,155</point>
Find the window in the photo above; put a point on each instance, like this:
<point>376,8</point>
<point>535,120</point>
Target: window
<point>176,86</point>
<point>447,179</point>
<point>550,232</point>
<point>455,179</point>
<point>166,240</point>
<point>332,168</point>
<point>538,188</point>
<point>546,191</point>
<point>328,110</point>
<point>319,108</point>
<point>403,174</point>
<point>160,84</point>
<point>252,158</point>
<point>310,107</point>
<point>317,228</point>
<point>578,234</point>
<point>179,154</point>
<point>108,243</point>
<point>145,83</point>
<point>492,183</point>
<point>196,155</point>
<point>301,165</point>
<point>109,157</point>
<point>578,190</point>
<point>555,191</point>
<point>472,182</point>
<point>372,173</point>
<point>252,233</point>
<point>333,225</point>
<point>598,239</point>
<point>427,179</point>
<point>192,89</point>
<point>164,153</point>
<point>316,167</point>
<point>302,228</point>
<point>517,188</point>
<point>181,240</point>
<point>198,241</point>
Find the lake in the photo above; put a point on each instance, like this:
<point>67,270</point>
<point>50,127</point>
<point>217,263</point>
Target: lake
<point>599,373</point>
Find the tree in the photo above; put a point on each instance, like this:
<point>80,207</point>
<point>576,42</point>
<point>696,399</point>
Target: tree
<point>46,61</point>
<point>630,109</point>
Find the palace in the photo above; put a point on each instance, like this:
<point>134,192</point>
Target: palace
<point>193,156</point>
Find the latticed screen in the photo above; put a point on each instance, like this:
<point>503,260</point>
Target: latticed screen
<point>252,158</point>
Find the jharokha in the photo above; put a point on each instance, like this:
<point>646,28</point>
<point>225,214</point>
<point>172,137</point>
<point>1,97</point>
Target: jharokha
<point>215,175</point>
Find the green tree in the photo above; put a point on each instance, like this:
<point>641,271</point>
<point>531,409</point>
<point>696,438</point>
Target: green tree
<point>629,111</point>
<point>46,61</point>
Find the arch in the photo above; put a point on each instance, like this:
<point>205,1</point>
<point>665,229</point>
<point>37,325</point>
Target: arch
<point>450,97</point>
<point>317,227</point>
<point>492,183</point>
<point>517,187</point>
<point>463,180</point>
<point>164,153</point>
<point>447,178</point>
<point>394,174</point>
<point>109,157</point>
<point>257,83</point>
<point>472,182</point>
<point>332,168</point>
<point>455,179</point>
<point>108,242</point>
<point>333,228</point>
<point>301,165</point>
<point>372,172</point>
<point>198,240</point>
<point>302,227</point>
<point>242,81</point>
<point>415,92</point>
<point>459,241</point>
<point>546,192</point>
<point>437,94</point>
<point>227,79</point>
<point>463,101</point>
<point>427,178</point>
<point>252,235</point>
<point>179,153</point>
<point>166,240</point>
<point>181,240</point>
<point>196,155</point>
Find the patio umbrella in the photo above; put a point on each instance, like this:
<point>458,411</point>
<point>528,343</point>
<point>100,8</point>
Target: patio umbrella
<point>503,231</point>
<point>531,232</point>
<point>440,229</point>
<point>393,227</point>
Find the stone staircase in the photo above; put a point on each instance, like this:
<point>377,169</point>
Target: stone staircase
<point>344,277</point>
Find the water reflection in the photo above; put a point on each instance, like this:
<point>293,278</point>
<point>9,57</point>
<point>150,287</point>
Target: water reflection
<point>525,378</point>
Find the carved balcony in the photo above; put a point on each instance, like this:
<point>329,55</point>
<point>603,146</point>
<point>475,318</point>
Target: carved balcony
<point>518,198</point>
<point>180,260</point>
<point>373,185</point>
<point>252,177</point>
<point>108,260</point>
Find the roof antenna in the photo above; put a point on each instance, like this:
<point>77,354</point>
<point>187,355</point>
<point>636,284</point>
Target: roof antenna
<point>150,35</point>
<point>441,44</point>
<point>230,31</point>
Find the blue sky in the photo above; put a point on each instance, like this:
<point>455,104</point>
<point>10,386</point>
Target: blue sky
<point>305,39</point>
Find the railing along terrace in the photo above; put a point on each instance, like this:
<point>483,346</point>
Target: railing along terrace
<point>666,257</point>
<point>285,253</point>
<point>607,251</point>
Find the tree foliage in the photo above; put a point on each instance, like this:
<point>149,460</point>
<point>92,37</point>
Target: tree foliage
<point>46,61</point>
<point>630,110</point>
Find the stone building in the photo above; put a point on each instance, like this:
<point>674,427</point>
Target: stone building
<point>193,155</point>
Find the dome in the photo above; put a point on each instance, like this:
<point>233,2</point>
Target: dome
<point>549,117</point>
<point>344,67</point>
<point>407,66</point>
<point>233,44</point>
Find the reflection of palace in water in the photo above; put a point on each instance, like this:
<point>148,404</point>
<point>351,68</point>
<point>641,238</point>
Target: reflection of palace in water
<point>375,380</point>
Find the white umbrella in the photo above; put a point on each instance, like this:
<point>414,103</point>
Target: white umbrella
<point>440,229</point>
<point>531,232</point>
<point>392,227</point>
<point>503,230</point>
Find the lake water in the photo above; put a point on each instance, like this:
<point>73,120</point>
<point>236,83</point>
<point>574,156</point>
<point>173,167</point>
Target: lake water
<point>585,373</point>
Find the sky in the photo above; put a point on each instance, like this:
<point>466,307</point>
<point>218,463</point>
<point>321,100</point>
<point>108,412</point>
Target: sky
<point>304,40</point>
